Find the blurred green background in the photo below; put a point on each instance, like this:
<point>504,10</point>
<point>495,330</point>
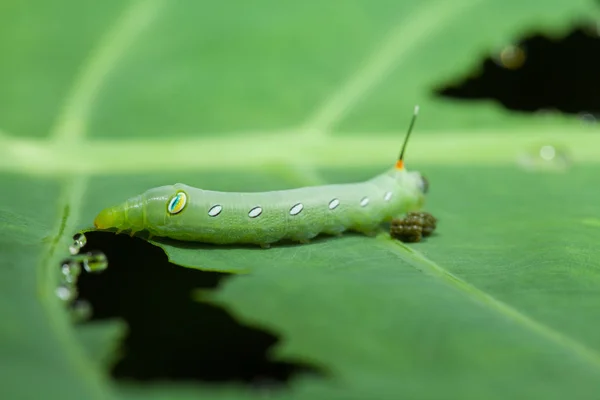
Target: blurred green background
<point>101,101</point>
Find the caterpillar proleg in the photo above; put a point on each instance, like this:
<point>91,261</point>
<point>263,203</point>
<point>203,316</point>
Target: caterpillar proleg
<point>186,213</point>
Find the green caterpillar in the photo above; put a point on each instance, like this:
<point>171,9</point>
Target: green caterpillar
<point>186,213</point>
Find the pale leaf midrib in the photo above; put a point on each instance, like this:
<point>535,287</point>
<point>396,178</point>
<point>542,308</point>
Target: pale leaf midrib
<point>71,195</point>
<point>238,152</point>
<point>70,128</point>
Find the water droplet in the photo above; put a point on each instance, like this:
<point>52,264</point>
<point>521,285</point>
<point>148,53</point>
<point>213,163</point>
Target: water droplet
<point>70,270</point>
<point>79,240</point>
<point>546,157</point>
<point>95,261</point>
<point>587,118</point>
<point>511,57</point>
<point>81,310</point>
<point>66,293</point>
<point>547,112</point>
<point>592,29</point>
<point>547,152</point>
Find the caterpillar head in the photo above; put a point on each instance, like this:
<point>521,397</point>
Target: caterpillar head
<point>423,184</point>
<point>153,208</point>
<point>413,185</point>
<point>112,217</point>
<point>127,216</point>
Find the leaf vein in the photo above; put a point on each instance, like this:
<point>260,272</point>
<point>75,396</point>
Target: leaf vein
<point>72,121</point>
<point>418,26</point>
<point>422,263</point>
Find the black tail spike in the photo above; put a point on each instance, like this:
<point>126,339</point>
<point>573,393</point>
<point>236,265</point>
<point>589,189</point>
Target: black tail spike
<point>410,128</point>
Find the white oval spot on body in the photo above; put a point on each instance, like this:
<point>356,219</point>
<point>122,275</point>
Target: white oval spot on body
<point>388,196</point>
<point>215,210</point>
<point>255,212</point>
<point>364,201</point>
<point>333,204</point>
<point>295,210</point>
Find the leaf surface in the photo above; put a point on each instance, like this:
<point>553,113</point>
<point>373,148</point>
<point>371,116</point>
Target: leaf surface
<point>118,98</point>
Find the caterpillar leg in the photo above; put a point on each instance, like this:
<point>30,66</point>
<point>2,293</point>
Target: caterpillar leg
<point>265,245</point>
<point>370,233</point>
<point>303,238</point>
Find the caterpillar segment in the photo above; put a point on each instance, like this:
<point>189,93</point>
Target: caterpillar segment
<point>186,213</point>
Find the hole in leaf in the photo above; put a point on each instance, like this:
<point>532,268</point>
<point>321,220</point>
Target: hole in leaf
<point>540,73</point>
<point>171,336</point>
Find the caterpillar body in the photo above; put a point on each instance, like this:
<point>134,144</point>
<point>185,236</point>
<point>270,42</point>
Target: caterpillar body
<point>186,213</point>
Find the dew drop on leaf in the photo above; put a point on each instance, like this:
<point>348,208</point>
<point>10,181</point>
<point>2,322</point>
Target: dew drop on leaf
<point>81,310</point>
<point>511,57</point>
<point>548,152</point>
<point>79,240</point>
<point>70,270</point>
<point>547,157</point>
<point>66,293</point>
<point>587,118</point>
<point>547,112</point>
<point>95,261</point>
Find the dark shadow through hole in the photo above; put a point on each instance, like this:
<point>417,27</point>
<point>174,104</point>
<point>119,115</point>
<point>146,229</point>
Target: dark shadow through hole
<point>556,74</point>
<point>171,336</point>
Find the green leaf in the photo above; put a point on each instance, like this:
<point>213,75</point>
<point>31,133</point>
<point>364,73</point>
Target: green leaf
<point>502,296</point>
<point>103,101</point>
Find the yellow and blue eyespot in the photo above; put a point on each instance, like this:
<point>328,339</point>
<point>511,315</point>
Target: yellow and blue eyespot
<point>177,203</point>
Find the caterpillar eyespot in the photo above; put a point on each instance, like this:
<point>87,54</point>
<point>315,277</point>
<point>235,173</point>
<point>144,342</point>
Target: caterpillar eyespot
<point>257,218</point>
<point>177,203</point>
